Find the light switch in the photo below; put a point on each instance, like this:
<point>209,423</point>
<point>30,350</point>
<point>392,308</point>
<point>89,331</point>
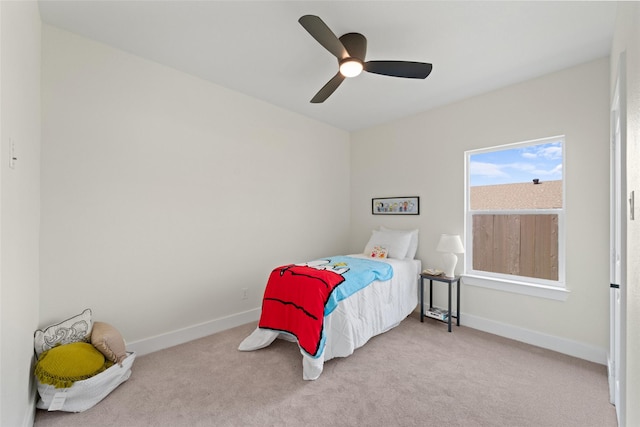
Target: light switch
<point>12,154</point>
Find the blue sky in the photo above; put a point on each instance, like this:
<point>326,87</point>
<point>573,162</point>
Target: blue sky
<point>522,164</point>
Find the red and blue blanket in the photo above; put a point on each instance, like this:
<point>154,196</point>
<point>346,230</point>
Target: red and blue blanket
<point>299,296</point>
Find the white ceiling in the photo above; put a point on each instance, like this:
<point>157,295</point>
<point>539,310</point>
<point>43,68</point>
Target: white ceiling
<point>259,48</point>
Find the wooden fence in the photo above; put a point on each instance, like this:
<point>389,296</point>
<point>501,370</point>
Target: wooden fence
<point>523,245</point>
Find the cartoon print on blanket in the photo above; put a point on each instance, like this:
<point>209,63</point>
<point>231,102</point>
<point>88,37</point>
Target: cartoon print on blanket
<point>298,296</point>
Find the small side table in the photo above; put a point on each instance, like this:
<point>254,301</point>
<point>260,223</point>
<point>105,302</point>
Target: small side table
<point>443,279</point>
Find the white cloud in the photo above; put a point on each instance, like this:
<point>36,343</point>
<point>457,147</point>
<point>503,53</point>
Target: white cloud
<point>556,171</point>
<point>523,167</point>
<point>551,152</point>
<point>490,170</point>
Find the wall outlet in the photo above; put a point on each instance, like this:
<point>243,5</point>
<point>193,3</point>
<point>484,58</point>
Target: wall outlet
<point>244,293</point>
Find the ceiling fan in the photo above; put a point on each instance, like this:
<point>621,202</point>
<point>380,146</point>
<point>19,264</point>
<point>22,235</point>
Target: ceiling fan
<point>350,49</point>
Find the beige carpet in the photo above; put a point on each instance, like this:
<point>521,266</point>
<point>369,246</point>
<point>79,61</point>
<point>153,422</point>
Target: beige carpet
<point>415,374</point>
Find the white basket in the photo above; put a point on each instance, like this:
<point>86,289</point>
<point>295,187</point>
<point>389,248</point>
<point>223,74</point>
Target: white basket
<point>84,394</point>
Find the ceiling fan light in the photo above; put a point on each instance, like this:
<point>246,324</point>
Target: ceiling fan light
<point>351,67</point>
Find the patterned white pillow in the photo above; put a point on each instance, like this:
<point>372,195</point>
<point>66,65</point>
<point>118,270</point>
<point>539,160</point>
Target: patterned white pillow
<point>77,328</point>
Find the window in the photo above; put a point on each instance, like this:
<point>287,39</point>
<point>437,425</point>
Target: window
<point>515,213</point>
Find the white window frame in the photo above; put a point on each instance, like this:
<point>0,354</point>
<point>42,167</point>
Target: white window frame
<point>551,289</point>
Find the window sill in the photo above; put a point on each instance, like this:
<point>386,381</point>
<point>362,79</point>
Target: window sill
<point>541,291</point>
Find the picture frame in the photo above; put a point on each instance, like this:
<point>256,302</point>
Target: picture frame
<point>395,205</point>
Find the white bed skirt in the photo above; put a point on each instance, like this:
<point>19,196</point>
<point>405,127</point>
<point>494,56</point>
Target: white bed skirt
<point>369,312</point>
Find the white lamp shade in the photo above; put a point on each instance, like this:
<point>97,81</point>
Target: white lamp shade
<point>450,243</point>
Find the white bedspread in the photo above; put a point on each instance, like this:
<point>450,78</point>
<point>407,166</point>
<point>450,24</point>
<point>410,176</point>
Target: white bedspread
<point>371,311</point>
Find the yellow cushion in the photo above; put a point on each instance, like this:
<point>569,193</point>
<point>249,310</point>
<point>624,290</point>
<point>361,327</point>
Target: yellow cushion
<point>63,365</point>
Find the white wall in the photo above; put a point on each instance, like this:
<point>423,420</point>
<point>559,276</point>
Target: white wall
<point>424,156</point>
<point>19,207</point>
<point>627,40</point>
<point>140,162</point>
<point>164,195</point>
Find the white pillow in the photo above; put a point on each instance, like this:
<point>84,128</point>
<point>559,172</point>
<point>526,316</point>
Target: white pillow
<point>77,328</point>
<point>413,244</point>
<point>396,244</point>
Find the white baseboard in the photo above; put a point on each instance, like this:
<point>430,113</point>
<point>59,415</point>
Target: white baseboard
<point>611,379</point>
<point>561,345</point>
<point>550,342</point>
<point>181,336</point>
<point>30,416</point>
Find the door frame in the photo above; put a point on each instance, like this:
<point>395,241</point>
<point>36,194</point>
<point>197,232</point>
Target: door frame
<point>618,244</point>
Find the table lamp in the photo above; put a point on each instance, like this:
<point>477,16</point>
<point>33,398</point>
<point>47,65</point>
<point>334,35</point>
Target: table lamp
<point>449,245</point>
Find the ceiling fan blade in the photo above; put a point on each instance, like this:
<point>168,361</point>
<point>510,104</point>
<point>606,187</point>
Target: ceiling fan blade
<point>356,44</point>
<point>328,89</point>
<point>323,35</point>
<point>408,69</point>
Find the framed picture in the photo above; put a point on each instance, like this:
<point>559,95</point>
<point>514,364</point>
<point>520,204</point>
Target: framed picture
<point>395,206</point>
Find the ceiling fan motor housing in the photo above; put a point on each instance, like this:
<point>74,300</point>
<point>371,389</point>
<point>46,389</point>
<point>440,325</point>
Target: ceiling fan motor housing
<point>356,45</point>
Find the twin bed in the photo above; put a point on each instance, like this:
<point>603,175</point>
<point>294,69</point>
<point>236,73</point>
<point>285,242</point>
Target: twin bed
<point>334,305</point>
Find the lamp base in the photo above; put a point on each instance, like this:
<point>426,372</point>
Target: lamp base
<point>449,264</point>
